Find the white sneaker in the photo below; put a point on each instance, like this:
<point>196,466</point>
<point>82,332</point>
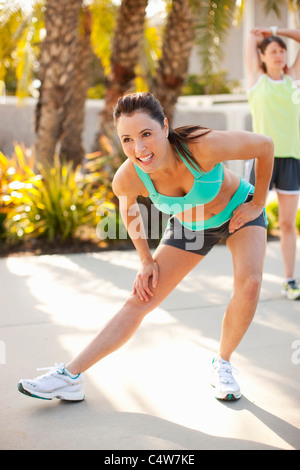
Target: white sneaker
<point>226,387</point>
<point>56,383</point>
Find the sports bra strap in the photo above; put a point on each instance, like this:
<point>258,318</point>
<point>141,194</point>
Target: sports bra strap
<point>147,181</point>
<point>196,173</point>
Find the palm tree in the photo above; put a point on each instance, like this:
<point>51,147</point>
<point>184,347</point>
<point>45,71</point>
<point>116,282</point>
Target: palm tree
<point>58,58</point>
<point>73,122</point>
<point>125,55</point>
<point>172,68</point>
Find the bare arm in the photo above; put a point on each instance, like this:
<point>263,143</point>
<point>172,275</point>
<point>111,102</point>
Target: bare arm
<point>294,69</point>
<point>220,146</point>
<point>127,188</point>
<point>242,145</point>
<point>289,33</point>
<point>253,63</point>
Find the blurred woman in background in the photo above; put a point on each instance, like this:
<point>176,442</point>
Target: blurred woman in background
<point>275,104</point>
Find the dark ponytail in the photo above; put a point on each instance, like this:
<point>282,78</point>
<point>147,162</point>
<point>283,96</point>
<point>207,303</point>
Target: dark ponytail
<point>178,138</point>
<point>181,136</point>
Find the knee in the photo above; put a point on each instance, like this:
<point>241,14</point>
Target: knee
<point>140,307</point>
<point>287,226</point>
<point>249,286</point>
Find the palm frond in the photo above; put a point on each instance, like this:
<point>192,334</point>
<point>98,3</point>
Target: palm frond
<point>19,42</point>
<point>273,5</point>
<point>213,20</point>
<point>104,14</point>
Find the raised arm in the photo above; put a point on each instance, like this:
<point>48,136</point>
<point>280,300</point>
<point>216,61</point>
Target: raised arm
<point>294,69</point>
<point>256,36</point>
<point>253,63</point>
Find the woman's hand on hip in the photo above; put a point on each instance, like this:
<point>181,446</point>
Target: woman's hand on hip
<point>243,214</point>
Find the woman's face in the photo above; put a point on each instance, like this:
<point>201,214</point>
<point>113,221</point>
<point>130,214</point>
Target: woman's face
<point>143,139</point>
<point>274,56</point>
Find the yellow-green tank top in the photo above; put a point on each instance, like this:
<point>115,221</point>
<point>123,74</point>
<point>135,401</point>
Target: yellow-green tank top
<point>275,107</point>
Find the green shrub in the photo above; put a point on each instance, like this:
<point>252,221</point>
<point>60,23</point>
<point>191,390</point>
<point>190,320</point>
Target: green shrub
<point>298,220</point>
<point>272,214</point>
<point>96,92</point>
<point>53,201</point>
<point>16,173</point>
<point>214,84</point>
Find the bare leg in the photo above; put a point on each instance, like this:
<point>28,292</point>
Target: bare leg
<point>174,264</point>
<point>288,206</point>
<point>247,247</point>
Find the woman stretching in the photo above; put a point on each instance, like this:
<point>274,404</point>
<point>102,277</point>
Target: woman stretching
<point>182,171</point>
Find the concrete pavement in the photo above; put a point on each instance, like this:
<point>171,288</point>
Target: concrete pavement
<point>154,393</point>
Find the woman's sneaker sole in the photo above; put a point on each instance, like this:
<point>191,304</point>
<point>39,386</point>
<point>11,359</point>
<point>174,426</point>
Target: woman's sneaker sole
<point>56,383</point>
<point>228,397</point>
<point>49,396</point>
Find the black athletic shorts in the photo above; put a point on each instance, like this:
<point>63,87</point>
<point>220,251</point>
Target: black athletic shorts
<point>202,241</point>
<point>285,177</point>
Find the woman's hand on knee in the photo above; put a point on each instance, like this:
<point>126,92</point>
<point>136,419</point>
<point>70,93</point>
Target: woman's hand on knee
<point>146,280</point>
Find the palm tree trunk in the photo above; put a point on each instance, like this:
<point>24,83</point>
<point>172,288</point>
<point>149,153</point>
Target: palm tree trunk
<point>172,68</point>
<point>72,128</point>
<point>125,55</point>
<point>59,52</point>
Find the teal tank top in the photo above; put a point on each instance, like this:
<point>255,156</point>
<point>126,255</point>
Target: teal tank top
<point>205,188</point>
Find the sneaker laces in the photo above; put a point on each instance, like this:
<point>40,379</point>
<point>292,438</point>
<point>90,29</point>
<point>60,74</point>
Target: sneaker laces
<point>225,371</point>
<point>57,368</point>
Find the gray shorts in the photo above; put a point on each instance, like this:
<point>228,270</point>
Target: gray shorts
<point>285,177</point>
<point>202,241</point>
